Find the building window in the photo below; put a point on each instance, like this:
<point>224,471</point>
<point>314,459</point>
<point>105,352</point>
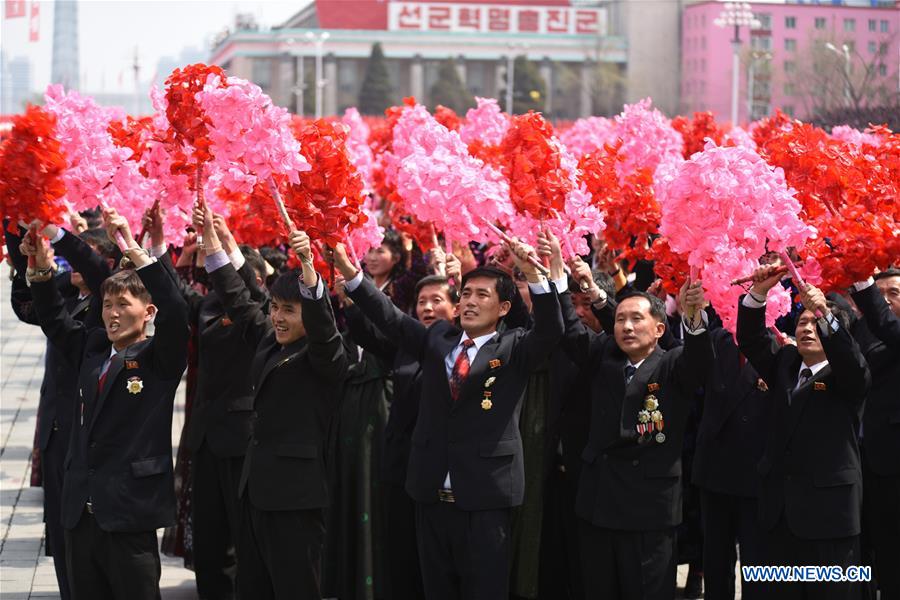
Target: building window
<point>703,43</point>
<point>873,47</point>
<point>884,27</point>
<point>765,20</point>
<point>261,72</point>
<point>790,44</point>
<point>761,42</point>
<point>789,89</point>
<point>882,70</point>
<point>790,66</point>
<point>788,110</point>
<point>873,25</point>
<point>790,22</point>
<point>883,48</point>
<point>820,22</point>
<point>849,25</point>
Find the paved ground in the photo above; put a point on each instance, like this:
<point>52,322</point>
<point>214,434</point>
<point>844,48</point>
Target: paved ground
<point>24,570</point>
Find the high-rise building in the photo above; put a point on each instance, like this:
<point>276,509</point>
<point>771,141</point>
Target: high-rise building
<point>64,68</point>
<point>16,84</point>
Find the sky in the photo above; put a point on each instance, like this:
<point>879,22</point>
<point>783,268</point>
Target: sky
<point>109,31</point>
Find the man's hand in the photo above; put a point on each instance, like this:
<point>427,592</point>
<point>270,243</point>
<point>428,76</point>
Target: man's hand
<point>765,278</point>
<point>116,223</point>
<point>813,299</point>
<point>438,260</point>
<point>34,245</point>
<point>202,219</point>
<point>301,245</point>
<point>581,273</point>
<point>521,251</point>
<point>453,267</point>
<point>221,228</point>
<point>692,301</point>
<point>49,231</point>
<point>78,223</point>
<point>343,263</point>
<point>153,224</point>
<point>503,259</point>
<point>548,245</point>
<point>340,285</point>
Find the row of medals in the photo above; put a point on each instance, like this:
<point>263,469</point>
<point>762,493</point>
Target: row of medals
<point>650,419</point>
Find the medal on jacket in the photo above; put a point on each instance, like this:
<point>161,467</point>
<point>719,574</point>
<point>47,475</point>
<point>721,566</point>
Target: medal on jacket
<point>134,385</point>
<point>486,403</point>
<point>650,418</point>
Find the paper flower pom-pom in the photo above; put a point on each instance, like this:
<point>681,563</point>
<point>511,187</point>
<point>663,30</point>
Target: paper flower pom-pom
<point>31,169</point>
<point>186,117</point>
<point>695,131</point>
<point>358,146</point>
<point>588,135</point>
<point>647,137</point>
<point>447,117</point>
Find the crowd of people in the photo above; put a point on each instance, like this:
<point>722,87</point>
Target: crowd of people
<point>485,424</point>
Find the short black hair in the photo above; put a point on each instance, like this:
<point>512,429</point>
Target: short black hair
<point>603,281</point>
<point>286,287</point>
<point>892,272</point>
<point>506,289</point>
<point>657,307</point>
<point>99,241</point>
<point>452,291</point>
<point>254,259</point>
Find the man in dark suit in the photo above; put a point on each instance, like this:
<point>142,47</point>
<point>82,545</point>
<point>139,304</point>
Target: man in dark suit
<point>629,493</point>
<point>298,365</point>
<point>119,485</point>
<point>59,389</point>
<point>811,495</point>
<point>879,302</point>
<point>729,445</point>
<point>465,467</point>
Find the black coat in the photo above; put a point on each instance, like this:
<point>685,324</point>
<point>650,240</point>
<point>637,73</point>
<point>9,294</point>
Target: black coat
<point>478,443</point>
<point>295,390</point>
<point>59,388</point>
<point>881,418</point>
<point>120,450</point>
<point>732,428</point>
<point>625,483</point>
<point>810,468</point>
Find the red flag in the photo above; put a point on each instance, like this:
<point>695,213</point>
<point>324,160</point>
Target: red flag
<point>34,22</point>
<point>14,8</point>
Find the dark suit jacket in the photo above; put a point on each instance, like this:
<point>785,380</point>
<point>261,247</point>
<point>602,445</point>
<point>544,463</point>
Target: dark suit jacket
<point>120,455</point>
<point>480,447</point>
<point>295,389</point>
<point>59,388</point>
<point>222,412</point>
<point>627,484</point>
<point>732,428</point>
<point>881,418</point>
<point>810,467</point>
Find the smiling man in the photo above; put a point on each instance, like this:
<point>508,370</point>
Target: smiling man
<point>119,484</point>
<point>811,495</point>
<point>466,466</point>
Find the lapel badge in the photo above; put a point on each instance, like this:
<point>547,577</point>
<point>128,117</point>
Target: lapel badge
<point>489,381</point>
<point>134,385</point>
<point>652,387</point>
<point>761,385</point>
<point>820,386</point>
<point>651,403</point>
<point>494,363</point>
<point>226,321</point>
<point>131,364</point>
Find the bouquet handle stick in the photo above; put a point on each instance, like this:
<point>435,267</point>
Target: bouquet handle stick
<point>795,275</point>
<point>441,268</point>
<point>144,235</point>
<point>199,201</point>
<point>531,258</point>
<point>288,222</point>
<point>120,240</point>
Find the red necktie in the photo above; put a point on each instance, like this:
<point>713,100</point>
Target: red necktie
<point>102,379</point>
<point>460,369</point>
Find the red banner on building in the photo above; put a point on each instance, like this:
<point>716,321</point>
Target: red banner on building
<point>34,22</point>
<point>14,8</point>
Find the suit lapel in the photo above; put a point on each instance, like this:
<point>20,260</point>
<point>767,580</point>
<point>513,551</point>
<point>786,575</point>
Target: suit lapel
<point>800,398</point>
<point>282,356</point>
<point>116,363</point>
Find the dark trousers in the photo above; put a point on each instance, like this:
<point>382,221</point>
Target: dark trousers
<point>280,553</point>
<point>52,459</point>
<point>111,565</point>
<point>215,516</point>
<point>560,568</point>
<point>404,578</point>
<point>782,547</point>
<point>881,530</point>
<point>728,520</point>
<point>464,554</point>
<point>628,565</point>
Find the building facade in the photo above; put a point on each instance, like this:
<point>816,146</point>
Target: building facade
<point>64,68</point>
<point>572,44</point>
<point>15,84</point>
<point>800,58</point>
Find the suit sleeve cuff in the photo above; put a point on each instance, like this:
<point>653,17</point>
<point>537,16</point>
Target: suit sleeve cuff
<point>158,251</point>
<point>237,259</point>
<point>862,285</point>
<point>355,282</point>
<point>60,232</point>
<point>751,301</point>
<point>216,261</point>
<point>542,287</point>
<point>700,327</point>
<point>312,293</point>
